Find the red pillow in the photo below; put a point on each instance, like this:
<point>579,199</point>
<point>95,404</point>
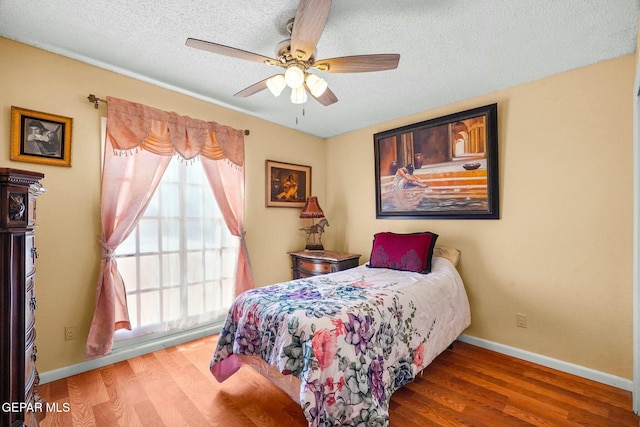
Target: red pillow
<point>407,252</point>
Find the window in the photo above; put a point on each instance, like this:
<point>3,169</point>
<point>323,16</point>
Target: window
<point>179,263</point>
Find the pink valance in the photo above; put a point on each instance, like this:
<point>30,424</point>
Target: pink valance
<point>128,182</point>
<point>136,126</point>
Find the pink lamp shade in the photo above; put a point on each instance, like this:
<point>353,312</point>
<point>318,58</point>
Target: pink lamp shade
<point>312,209</point>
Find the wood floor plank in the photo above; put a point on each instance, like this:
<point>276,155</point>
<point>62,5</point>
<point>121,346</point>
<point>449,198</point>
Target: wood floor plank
<point>147,411</point>
<point>165,393</point>
<point>122,395</point>
<point>465,386</point>
<point>536,401</point>
<point>85,391</point>
<point>195,384</point>
<point>551,394</point>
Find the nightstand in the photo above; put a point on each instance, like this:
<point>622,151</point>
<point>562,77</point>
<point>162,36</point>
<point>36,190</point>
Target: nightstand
<point>314,263</point>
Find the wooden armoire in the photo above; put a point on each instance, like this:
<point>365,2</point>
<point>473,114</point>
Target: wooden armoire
<point>21,404</point>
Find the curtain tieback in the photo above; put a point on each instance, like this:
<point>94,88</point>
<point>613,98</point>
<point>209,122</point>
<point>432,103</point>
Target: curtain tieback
<point>107,251</point>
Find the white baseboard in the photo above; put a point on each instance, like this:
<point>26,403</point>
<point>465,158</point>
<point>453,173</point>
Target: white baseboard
<point>118,355</point>
<point>173,340</point>
<point>549,362</point>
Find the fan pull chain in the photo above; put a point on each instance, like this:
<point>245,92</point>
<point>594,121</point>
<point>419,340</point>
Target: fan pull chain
<point>303,113</point>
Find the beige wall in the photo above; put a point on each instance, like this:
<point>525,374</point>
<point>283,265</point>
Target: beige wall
<point>562,251</point>
<point>68,214</point>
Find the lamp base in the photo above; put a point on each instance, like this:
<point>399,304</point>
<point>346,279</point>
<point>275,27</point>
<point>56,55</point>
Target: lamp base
<point>314,247</point>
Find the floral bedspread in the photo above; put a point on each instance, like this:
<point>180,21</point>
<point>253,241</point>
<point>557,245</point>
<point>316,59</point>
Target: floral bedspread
<point>352,338</point>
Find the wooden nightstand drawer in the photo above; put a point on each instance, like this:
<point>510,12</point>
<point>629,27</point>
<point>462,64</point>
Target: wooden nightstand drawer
<point>317,267</point>
<point>314,263</point>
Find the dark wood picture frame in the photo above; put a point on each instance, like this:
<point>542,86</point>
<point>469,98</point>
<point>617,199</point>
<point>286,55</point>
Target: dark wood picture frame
<point>38,137</point>
<point>443,168</point>
<point>287,185</point>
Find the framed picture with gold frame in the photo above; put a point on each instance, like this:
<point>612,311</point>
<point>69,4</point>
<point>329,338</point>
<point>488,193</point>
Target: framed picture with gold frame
<point>38,137</point>
<point>287,185</point>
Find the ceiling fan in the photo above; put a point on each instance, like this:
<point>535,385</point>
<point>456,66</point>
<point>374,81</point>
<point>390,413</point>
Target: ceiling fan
<point>297,56</point>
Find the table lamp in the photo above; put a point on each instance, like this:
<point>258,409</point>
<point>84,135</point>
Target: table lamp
<point>314,233</point>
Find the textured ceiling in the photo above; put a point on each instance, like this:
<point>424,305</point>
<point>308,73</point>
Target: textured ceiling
<point>450,49</point>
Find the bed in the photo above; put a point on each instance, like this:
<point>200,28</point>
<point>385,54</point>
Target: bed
<point>340,344</point>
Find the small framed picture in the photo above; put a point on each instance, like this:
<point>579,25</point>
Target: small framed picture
<point>38,137</point>
<point>287,185</point>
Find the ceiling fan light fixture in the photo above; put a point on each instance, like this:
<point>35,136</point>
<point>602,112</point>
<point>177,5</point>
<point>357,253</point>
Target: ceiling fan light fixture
<point>317,85</point>
<point>298,95</point>
<point>276,84</point>
<point>294,76</point>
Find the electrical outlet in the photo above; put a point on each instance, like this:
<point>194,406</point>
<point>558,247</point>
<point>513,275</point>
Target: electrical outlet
<point>521,320</point>
<point>70,333</point>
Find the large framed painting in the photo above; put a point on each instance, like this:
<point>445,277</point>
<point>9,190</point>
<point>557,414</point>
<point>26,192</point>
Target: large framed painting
<point>38,137</point>
<point>287,185</point>
<point>444,168</point>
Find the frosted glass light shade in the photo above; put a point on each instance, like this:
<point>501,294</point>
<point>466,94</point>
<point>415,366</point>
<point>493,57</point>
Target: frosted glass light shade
<point>276,84</point>
<point>298,95</point>
<point>316,85</point>
<point>294,76</point>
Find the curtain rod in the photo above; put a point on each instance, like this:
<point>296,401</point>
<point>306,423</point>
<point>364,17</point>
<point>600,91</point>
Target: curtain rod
<point>96,103</point>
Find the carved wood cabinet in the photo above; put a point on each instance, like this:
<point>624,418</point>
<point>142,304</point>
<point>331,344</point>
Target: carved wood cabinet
<point>21,404</point>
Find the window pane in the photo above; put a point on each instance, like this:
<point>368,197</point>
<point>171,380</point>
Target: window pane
<point>228,239</point>
<point>173,263</point>
<point>171,301</point>
<point>229,262</point>
<point>170,195</point>
<point>210,206</point>
<point>149,272</point>
<point>128,268</point>
<point>212,261</point>
<point>226,299</point>
<point>194,200</point>
<point>170,270</point>
<point>132,305</point>
<point>152,208</point>
<point>171,235</point>
<point>196,300</point>
<point>195,272</point>
<point>213,231</point>
<point>212,294</point>
<point>127,247</point>
<point>150,308</point>
<point>172,174</point>
<point>148,235</point>
<point>196,175</point>
<point>194,233</point>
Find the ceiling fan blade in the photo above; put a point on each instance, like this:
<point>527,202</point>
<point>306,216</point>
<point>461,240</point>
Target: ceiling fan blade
<point>228,51</point>
<point>308,25</point>
<point>327,98</point>
<point>359,63</point>
<point>253,89</point>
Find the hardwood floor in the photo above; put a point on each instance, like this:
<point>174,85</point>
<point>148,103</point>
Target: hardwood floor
<point>463,386</point>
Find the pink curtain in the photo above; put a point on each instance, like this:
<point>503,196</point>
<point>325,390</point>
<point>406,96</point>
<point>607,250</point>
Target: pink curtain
<point>140,143</point>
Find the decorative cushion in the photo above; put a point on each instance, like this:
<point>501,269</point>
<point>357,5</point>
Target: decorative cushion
<point>407,252</point>
<point>451,254</point>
